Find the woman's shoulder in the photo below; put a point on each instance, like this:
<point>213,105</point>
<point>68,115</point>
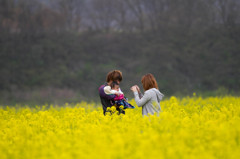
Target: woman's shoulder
<point>107,87</point>
<point>150,91</point>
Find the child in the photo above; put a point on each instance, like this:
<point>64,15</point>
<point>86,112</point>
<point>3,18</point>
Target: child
<point>119,99</point>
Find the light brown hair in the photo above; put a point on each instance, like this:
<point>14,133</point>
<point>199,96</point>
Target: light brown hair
<point>149,81</point>
<point>114,75</point>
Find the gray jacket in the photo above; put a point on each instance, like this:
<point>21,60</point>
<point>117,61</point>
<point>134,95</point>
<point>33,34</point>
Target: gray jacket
<point>150,101</point>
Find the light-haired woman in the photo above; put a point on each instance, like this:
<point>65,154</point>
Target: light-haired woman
<point>150,101</point>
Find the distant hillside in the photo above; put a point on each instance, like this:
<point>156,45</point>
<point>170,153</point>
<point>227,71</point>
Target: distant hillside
<point>81,62</point>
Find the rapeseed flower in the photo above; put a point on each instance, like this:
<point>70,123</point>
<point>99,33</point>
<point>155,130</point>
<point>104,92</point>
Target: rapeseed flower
<point>186,128</point>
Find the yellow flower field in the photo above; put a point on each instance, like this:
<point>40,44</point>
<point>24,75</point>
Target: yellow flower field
<point>186,128</point>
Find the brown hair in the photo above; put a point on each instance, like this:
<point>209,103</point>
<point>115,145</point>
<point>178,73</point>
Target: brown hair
<point>149,81</point>
<point>114,75</point>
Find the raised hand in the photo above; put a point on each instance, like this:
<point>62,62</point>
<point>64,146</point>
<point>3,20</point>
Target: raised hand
<point>134,88</point>
<point>138,89</point>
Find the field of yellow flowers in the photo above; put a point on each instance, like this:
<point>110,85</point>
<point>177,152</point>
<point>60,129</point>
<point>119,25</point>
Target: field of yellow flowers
<point>190,127</point>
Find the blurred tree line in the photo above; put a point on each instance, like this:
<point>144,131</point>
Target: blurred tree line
<point>61,47</point>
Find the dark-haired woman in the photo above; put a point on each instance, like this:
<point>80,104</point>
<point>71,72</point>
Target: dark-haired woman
<point>106,99</point>
<point>150,101</point>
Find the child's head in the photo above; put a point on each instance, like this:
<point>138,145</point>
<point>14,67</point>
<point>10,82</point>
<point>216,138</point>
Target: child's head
<point>114,85</point>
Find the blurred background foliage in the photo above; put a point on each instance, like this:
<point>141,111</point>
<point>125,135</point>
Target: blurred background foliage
<point>61,50</point>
